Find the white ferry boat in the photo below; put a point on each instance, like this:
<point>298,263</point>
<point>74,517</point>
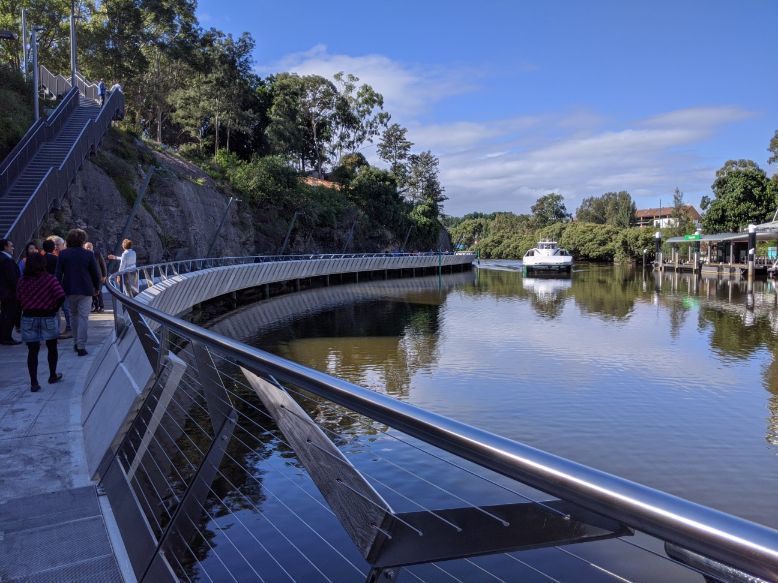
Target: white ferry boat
<point>547,256</point>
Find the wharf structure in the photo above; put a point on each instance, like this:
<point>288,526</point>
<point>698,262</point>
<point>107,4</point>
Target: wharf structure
<point>721,254</point>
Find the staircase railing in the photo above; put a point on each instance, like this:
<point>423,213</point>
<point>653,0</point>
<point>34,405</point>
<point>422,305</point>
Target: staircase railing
<point>39,133</point>
<point>56,181</point>
<point>56,85</point>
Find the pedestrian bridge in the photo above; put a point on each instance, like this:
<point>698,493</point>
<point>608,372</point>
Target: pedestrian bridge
<point>226,463</point>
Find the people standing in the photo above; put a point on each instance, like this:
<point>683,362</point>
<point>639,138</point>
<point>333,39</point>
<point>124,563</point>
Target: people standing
<point>101,92</point>
<point>59,245</point>
<point>9,305</point>
<point>40,296</point>
<point>77,270</point>
<point>30,248</point>
<point>97,301</point>
<point>51,258</point>
<point>128,261</point>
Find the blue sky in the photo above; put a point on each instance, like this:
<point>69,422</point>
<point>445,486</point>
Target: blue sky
<point>522,98</point>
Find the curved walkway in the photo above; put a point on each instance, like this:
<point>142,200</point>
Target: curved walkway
<point>51,518</point>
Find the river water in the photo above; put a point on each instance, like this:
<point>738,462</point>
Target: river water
<point>670,380</point>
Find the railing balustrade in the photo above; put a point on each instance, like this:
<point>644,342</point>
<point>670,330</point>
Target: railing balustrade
<point>56,181</point>
<point>203,386</point>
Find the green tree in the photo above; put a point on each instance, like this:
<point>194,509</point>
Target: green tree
<point>682,223</point>
<point>374,192</point>
<point>548,209</point>
<point>773,149</point>
<point>359,114</point>
<point>741,196</point>
<point>394,149</point>
<point>423,184</point>
<point>612,208</point>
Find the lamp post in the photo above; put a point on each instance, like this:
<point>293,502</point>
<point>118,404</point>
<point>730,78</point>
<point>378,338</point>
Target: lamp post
<point>25,48</point>
<point>658,248</point>
<point>751,251</point>
<point>35,73</point>
<point>72,43</point>
<point>644,258</point>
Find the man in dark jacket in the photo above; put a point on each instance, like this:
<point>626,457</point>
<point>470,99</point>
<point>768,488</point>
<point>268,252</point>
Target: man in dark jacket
<point>78,272</point>
<point>51,258</point>
<point>9,305</point>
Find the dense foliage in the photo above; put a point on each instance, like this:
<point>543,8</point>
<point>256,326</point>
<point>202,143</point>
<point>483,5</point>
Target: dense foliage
<point>742,195</point>
<point>15,109</point>
<point>509,236</point>
<point>195,90</point>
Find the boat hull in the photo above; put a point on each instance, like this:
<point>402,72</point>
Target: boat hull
<point>548,267</point>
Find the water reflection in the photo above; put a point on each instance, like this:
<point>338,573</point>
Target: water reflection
<point>388,330</point>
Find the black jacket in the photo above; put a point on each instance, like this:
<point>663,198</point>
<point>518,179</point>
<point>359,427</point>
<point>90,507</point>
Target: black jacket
<point>77,270</point>
<point>9,275</point>
<point>51,263</point>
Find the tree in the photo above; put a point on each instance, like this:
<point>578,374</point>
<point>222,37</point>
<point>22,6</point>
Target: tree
<point>394,149</point>
<point>359,115</point>
<point>612,208</point>
<point>301,117</point>
<point>549,209</point>
<point>682,223</point>
<point>741,196</point>
<point>773,149</point>
<point>423,185</point>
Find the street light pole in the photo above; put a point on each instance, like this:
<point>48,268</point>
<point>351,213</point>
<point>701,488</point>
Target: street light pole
<point>35,80</point>
<point>24,43</point>
<point>72,43</point>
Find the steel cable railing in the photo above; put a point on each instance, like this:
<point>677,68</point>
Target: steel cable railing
<point>210,382</point>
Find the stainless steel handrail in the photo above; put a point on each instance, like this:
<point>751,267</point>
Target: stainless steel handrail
<point>745,545</point>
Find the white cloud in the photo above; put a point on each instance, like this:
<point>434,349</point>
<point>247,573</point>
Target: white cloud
<point>643,157</point>
<point>505,164</point>
<point>408,90</point>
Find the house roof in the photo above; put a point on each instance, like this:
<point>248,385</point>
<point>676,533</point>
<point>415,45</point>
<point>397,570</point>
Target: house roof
<point>666,211</point>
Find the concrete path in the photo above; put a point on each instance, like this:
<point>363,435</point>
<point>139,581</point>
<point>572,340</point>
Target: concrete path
<point>46,495</point>
<point>41,444</point>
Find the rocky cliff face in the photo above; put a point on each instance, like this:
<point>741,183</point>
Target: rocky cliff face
<point>178,218</point>
<point>181,212</point>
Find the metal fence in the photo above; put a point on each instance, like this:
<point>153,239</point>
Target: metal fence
<point>188,486</point>
<point>39,133</point>
<point>57,180</point>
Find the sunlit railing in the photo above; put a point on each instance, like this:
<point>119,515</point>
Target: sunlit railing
<point>206,386</point>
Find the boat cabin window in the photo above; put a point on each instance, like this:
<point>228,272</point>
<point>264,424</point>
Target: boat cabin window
<point>530,253</point>
<point>546,245</point>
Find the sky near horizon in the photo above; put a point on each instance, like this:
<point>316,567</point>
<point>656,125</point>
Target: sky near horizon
<point>519,99</point>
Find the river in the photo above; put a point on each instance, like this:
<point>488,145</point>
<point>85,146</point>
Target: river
<point>670,380</point>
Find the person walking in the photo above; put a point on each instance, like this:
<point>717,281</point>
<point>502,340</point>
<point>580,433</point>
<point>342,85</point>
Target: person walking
<point>101,92</point>
<point>77,270</point>
<point>40,296</point>
<point>59,245</point>
<point>128,261</point>
<point>9,305</point>
<point>97,301</point>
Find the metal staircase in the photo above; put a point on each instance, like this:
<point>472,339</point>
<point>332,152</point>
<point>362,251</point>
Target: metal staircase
<point>36,175</point>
